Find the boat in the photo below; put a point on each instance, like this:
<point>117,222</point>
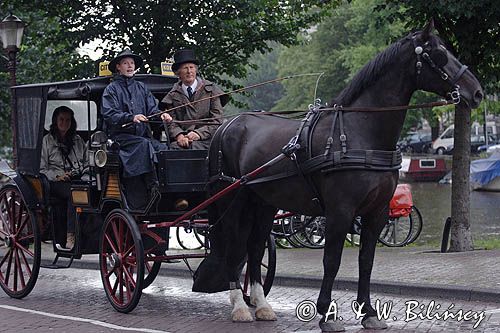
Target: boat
<point>485,173</point>
<point>424,169</point>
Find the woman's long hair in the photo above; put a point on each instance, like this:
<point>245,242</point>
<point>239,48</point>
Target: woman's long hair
<point>67,141</point>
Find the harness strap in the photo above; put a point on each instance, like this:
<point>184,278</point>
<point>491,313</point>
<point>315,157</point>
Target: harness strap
<point>343,137</point>
<point>356,159</point>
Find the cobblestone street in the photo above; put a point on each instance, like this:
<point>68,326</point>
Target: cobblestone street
<point>74,301</point>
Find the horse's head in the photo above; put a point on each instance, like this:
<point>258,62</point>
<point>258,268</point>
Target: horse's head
<point>439,71</point>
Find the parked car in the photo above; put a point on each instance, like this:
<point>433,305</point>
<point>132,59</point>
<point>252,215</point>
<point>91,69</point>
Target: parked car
<point>441,145</point>
<point>477,144</point>
<point>416,143</point>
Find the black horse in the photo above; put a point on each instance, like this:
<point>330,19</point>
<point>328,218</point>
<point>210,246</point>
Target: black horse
<point>354,173</point>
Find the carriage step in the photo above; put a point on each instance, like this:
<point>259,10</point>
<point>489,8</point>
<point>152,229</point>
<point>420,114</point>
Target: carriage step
<point>55,265</point>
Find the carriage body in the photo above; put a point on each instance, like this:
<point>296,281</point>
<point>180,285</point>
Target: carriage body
<point>100,191</point>
<point>130,249</point>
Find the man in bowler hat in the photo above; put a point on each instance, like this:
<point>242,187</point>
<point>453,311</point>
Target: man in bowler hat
<point>126,100</point>
<point>188,91</point>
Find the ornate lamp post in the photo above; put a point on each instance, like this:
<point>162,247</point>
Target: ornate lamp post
<point>11,34</point>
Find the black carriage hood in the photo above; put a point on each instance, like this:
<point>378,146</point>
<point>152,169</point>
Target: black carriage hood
<point>31,103</point>
<point>93,88</point>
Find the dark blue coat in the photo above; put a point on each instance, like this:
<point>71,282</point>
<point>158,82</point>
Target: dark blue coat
<point>122,100</point>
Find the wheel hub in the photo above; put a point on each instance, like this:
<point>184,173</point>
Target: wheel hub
<point>114,260</point>
<point>9,242</point>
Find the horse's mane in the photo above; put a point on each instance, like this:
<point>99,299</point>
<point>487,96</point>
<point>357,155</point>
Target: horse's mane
<point>369,73</point>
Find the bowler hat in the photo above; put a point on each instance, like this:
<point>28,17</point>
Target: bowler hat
<point>183,56</point>
<point>125,54</point>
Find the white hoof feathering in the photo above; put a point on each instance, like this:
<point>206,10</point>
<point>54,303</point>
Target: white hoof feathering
<point>240,311</point>
<point>263,310</point>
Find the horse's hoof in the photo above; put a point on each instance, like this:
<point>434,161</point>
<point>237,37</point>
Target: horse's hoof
<point>372,323</point>
<point>330,326</point>
<point>265,314</point>
<point>241,315</point>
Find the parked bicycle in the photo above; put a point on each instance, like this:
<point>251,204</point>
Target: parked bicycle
<point>403,227</point>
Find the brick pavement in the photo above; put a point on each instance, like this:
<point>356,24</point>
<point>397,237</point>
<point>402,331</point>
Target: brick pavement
<point>473,275</point>
<point>169,306</point>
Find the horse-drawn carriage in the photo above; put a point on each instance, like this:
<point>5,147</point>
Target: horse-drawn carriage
<point>339,161</point>
<point>131,244</point>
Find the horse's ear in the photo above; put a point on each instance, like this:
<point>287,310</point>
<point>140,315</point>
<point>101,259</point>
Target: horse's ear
<point>429,28</point>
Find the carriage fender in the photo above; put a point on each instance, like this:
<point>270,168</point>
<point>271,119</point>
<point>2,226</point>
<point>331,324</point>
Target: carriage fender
<point>27,192</point>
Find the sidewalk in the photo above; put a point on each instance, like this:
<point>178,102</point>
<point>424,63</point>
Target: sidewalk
<point>412,271</point>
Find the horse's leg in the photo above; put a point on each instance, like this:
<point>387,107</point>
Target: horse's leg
<point>335,232</point>
<point>370,231</point>
<point>237,228</point>
<point>256,248</point>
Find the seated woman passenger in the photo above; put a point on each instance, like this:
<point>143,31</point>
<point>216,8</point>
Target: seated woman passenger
<point>192,88</point>
<point>64,157</point>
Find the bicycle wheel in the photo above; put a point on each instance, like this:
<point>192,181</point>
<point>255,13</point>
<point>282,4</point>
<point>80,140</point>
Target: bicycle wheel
<point>288,231</point>
<point>188,241</point>
<point>417,224</point>
<point>298,228</point>
<point>315,232</point>
<point>353,237</point>
<point>397,232</point>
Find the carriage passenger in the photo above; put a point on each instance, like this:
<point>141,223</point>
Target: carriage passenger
<point>126,100</point>
<point>64,157</point>
<point>189,89</point>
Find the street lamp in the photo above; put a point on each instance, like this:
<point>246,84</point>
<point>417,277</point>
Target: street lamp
<point>11,34</point>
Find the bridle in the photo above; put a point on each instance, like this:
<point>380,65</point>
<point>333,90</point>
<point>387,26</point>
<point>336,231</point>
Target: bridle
<point>437,64</point>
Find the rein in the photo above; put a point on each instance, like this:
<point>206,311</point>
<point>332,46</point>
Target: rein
<point>455,100</point>
<point>224,94</point>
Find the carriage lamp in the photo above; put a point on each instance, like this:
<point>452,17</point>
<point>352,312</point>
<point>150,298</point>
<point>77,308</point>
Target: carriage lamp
<point>100,158</point>
<point>11,34</point>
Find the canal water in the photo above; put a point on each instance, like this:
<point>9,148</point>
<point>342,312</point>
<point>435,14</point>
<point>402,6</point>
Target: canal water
<point>434,203</point>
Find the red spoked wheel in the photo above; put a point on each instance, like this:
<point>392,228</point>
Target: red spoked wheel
<point>152,268</point>
<point>19,244</point>
<point>121,260</point>
<point>268,267</point>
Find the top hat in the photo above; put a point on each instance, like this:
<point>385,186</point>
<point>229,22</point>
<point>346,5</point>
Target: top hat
<point>125,54</point>
<point>183,56</point>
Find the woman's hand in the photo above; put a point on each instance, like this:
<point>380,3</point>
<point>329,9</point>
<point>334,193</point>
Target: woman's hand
<point>139,118</point>
<point>64,178</point>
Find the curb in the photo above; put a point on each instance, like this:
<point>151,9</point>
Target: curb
<point>303,281</point>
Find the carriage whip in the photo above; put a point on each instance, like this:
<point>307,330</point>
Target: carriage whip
<point>230,92</point>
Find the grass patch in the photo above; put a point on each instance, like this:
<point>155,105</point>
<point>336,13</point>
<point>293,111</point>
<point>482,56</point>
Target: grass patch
<point>489,243</point>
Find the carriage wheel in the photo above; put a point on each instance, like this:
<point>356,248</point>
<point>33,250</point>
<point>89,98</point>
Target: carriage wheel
<point>151,270</point>
<point>268,267</point>
<point>19,244</point>
<point>121,260</point>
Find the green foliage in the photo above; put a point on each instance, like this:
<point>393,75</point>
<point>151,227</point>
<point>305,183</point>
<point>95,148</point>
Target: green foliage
<point>223,33</point>
<point>340,46</point>
<point>262,68</point>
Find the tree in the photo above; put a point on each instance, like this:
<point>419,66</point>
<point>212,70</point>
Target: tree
<point>262,68</point>
<point>223,33</point>
<point>339,47</point>
<point>471,28</point>
<point>46,55</point>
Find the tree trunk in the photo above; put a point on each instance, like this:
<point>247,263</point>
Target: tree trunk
<point>461,236</point>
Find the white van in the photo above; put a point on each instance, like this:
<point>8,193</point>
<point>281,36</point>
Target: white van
<point>444,142</point>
